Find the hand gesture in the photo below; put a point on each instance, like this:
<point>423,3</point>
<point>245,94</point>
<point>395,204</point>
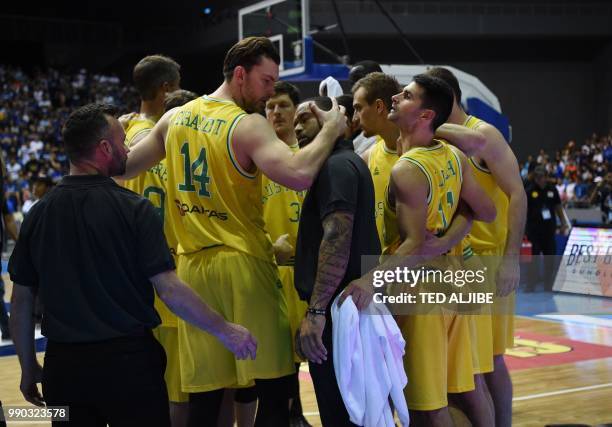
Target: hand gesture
<point>361,291</point>
<point>283,251</point>
<point>432,247</point>
<point>125,119</point>
<point>335,117</point>
<point>239,341</point>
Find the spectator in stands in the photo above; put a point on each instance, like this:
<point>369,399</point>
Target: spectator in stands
<point>33,165</point>
<point>571,171</point>
<point>32,109</point>
<point>582,188</point>
<point>602,194</point>
<point>527,167</point>
<point>41,184</point>
<point>13,169</point>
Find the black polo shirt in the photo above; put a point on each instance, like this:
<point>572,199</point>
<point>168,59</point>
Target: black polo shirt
<point>90,247</point>
<point>541,203</point>
<point>343,184</point>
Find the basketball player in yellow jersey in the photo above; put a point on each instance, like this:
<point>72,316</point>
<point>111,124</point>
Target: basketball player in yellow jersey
<point>496,169</point>
<point>281,211</point>
<point>427,184</point>
<point>155,77</point>
<point>372,102</point>
<point>216,148</point>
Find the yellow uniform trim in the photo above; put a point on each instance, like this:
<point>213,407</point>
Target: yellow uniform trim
<point>230,150</point>
<point>422,168</point>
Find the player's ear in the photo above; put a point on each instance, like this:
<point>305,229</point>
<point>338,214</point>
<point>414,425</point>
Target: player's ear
<point>380,106</point>
<point>428,115</point>
<point>239,73</point>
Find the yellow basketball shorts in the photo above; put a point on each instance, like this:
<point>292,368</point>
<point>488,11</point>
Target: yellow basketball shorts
<point>296,308</point>
<point>502,319</point>
<point>479,319</point>
<point>481,337</point>
<point>167,317</point>
<point>244,290</point>
<point>168,338</point>
<point>438,358</point>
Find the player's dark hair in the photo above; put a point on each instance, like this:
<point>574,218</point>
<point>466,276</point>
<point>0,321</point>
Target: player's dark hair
<point>450,79</point>
<point>436,96</point>
<point>323,102</point>
<point>152,72</point>
<point>362,69</point>
<point>347,102</point>
<point>378,86</point>
<point>84,128</point>
<point>178,98</point>
<point>247,53</point>
<point>282,87</point>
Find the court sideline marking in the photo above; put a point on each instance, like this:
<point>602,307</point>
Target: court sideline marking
<point>534,396</point>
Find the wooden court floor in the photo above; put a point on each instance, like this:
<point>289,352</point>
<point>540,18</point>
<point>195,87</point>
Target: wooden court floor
<point>576,392</point>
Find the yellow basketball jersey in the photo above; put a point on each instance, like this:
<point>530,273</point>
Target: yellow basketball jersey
<point>442,167</point>
<point>380,163</point>
<point>151,184</point>
<point>214,201</point>
<point>492,235</point>
<point>281,208</point>
<point>137,127</point>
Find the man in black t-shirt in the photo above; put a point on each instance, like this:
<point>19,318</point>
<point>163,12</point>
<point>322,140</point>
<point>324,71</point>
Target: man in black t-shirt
<point>543,203</point>
<point>336,228</point>
<point>94,251</point>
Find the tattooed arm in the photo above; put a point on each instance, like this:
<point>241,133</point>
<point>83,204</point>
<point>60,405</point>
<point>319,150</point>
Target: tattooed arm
<point>333,257</point>
<point>334,254</point>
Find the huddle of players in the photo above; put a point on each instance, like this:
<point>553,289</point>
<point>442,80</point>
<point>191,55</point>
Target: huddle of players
<point>419,182</point>
<point>204,177</point>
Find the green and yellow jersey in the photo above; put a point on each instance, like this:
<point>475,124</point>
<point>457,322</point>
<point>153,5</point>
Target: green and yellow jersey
<point>214,200</point>
<point>380,163</point>
<point>281,208</point>
<point>441,165</point>
<point>488,236</point>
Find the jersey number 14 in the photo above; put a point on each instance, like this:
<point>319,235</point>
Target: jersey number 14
<point>192,174</point>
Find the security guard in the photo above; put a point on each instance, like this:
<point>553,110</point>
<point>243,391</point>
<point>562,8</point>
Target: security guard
<point>543,202</point>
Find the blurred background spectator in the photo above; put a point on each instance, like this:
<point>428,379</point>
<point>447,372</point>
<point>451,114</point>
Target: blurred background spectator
<point>33,108</point>
<point>578,172</point>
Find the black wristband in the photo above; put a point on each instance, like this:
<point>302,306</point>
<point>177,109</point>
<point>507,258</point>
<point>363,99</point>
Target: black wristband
<point>316,311</point>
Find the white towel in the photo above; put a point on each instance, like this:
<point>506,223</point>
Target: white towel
<point>361,143</point>
<point>368,353</point>
<point>330,87</point>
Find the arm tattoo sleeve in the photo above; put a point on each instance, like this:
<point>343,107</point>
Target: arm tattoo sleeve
<point>334,254</point>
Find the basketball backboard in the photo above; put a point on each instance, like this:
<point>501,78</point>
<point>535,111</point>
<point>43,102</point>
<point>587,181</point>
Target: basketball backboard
<point>285,22</point>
